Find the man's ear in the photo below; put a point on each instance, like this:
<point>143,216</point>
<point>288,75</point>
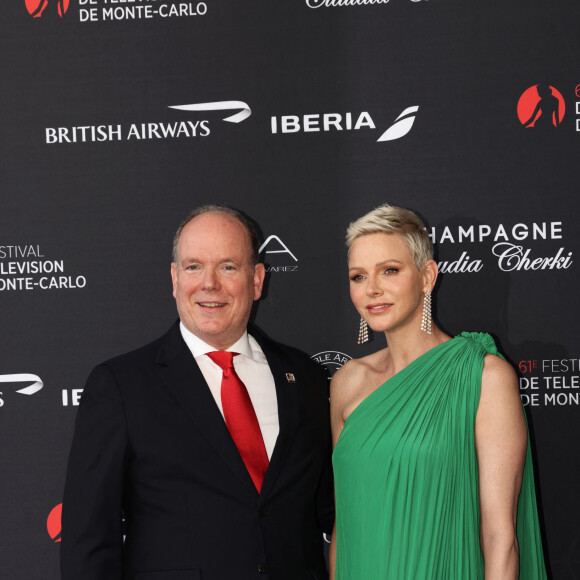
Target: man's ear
<point>259,275</point>
<point>174,277</point>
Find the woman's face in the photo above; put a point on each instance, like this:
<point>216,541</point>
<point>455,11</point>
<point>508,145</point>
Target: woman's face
<point>385,285</point>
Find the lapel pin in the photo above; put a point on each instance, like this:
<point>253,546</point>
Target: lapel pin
<point>290,378</point>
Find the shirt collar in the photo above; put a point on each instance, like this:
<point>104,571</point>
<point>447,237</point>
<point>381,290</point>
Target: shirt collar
<point>199,348</point>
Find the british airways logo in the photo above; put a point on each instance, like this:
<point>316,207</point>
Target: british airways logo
<point>33,384</point>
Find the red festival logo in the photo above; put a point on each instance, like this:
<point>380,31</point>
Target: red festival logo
<point>53,523</point>
<point>37,8</point>
<point>541,106</point>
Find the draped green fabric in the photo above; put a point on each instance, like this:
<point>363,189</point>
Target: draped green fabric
<point>406,475</point>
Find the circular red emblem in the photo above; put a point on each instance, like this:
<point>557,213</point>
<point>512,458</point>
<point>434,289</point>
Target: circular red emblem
<point>541,106</point>
<point>37,8</point>
<point>53,523</point>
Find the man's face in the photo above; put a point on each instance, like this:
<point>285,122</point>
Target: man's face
<point>213,283</point>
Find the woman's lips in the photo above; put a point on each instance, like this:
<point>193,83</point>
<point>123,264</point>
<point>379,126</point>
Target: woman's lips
<point>378,308</point>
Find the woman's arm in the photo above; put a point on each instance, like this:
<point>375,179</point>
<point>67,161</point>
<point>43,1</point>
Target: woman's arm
<point>500,443</point>
<point>332,554</point>
<point>341,394</point>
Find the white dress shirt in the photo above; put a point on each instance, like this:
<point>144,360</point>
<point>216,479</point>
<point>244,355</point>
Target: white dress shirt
<point>253,369</point>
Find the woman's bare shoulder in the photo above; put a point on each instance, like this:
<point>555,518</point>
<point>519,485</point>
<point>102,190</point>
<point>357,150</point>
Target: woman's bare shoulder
<point>349,378</point>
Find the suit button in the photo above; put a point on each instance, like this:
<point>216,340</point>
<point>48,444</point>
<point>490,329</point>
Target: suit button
<point>262,568</point>
<point>262,513</point>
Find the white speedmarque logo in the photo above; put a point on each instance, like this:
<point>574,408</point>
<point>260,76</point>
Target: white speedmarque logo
<point>24,378</point>
<point>402,125</point>
<point>243,114</point>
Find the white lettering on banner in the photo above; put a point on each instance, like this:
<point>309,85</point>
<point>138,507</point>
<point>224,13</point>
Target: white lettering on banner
<point>127,12</point>
<point>561,399</point>
<point>34,267</point>
<point>44,283</point>
<point>560,365</point>
<point>140,131</point>
<point>84,134</point>
<point>24,275</point>
<point>462,265</point>
<point>20,252</point>
<point>164,131</point>
<point>321,122</point>
<point>281,268</point>
<point>332,3</point>
<point>117,10</point>
<point>317,122</point>
<point>512,257</point>
<point>556,390</point>
<point>479,233</point>
<point>73,398</point>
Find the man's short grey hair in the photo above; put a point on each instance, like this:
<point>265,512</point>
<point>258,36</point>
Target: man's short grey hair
<point>390,219</point>
<point>249,226</point>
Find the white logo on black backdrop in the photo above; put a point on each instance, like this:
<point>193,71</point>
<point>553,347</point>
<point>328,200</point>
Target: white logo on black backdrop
<point>30,389</point>
<point>317,122</point>
<point>243,114</point>
<point>150,130</point>
<point>25,268</point>
<point>577,92</point>
<point>509,254</point>
<point>331,359</point>
<point>71,397</point>
<point>108,10</point>
<point>342,3</point>
<point>550,382</point>
<point>274,245</point>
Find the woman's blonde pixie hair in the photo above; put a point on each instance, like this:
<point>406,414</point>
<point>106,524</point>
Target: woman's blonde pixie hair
<point>390,219</point>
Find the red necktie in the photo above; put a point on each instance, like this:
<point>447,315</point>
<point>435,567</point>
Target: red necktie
<point>241,418</point>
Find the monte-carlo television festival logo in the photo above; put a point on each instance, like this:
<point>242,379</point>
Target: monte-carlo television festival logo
<point>47,8</point>
<point>541,106</point>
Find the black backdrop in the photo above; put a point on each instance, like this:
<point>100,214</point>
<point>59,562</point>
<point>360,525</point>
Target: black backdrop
<point>86,223</point>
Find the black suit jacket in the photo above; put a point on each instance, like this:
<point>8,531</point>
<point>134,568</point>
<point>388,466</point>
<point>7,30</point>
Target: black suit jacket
<point>150,443</point>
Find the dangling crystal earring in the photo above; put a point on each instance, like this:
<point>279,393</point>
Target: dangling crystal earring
<point>426,321</point>
<point>363,331</point>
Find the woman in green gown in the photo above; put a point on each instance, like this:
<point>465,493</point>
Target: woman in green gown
<point>433,473</point>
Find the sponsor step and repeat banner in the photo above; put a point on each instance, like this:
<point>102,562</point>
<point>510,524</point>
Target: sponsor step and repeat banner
<point>119,116</point>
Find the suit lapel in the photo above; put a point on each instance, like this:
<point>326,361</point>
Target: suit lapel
<point>183,379</point>
<point>288,412</point>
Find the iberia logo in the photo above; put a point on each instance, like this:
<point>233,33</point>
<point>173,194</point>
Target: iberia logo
<point>541,106</point>
<point>53,523</point>
<point>39,8</point>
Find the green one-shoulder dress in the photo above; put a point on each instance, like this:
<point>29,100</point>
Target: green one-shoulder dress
<point>406,480</point>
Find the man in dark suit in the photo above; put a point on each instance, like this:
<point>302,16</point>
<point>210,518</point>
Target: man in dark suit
<point>221,473</point>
